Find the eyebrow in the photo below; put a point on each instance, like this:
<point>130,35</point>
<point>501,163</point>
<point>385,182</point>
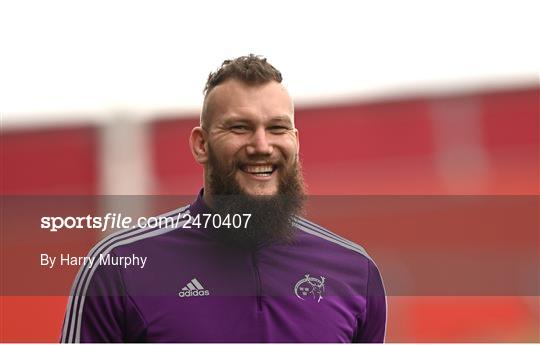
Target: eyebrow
<point>279,118</point>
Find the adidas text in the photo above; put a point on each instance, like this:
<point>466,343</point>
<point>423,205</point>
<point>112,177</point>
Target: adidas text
<point>194,293</point>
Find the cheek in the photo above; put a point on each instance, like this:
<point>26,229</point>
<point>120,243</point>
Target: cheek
<point>290,149</point>
<point>226,150</point>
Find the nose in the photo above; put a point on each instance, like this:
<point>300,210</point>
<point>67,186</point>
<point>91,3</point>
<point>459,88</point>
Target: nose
<point>259,144</point>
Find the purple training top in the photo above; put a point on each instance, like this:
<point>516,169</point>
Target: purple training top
<point>194,288</point>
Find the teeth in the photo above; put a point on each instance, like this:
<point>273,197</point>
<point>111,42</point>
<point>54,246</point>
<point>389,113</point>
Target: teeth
<point>258,169</point>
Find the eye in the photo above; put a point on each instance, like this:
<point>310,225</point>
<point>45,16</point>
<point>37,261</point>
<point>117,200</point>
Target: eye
<point>278,129</point>
<point>239,129</point>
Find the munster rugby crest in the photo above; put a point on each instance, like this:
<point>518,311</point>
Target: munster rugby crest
<point>310,287</point>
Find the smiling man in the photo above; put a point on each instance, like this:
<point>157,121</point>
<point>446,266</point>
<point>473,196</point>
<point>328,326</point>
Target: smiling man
<point>249,145</point>
<point>276,278</point>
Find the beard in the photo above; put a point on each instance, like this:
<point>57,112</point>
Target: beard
<point>271,215</point>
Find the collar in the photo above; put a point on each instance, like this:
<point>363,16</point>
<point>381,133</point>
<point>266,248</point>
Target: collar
<point>199,206</point>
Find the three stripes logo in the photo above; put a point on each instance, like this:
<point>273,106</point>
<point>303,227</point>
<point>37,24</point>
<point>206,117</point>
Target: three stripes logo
<point>193,289</point>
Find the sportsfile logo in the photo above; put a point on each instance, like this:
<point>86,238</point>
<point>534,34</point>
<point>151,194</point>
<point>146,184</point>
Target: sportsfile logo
<point>193,289</point>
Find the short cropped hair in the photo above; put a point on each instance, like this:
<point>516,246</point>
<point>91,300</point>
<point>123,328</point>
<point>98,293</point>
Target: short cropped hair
<point>251,69</point>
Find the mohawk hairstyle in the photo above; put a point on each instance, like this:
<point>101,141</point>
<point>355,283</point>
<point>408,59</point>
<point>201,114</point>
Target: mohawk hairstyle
<point>251,69</point>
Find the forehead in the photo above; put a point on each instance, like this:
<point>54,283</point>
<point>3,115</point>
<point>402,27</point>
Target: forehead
<point>237,100</point>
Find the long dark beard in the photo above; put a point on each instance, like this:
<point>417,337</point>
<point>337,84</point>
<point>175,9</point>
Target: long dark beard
<point>271,215</point>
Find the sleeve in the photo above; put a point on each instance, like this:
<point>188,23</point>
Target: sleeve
<point>99,309</point>
<point>372,329</point>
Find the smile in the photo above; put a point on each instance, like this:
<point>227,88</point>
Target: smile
<point>259,170</point>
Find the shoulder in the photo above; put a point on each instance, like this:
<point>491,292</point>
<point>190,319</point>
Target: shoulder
<point>347,257</point>
<point>324,235</point>
<point>137,234</point>
<point>95,279</point>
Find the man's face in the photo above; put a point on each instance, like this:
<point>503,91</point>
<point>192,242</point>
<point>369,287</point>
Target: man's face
<point>251,135</point>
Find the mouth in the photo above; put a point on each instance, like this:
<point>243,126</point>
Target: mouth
<point>259,170</point>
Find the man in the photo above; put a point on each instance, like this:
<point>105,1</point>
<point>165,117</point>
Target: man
<point>257,272</point>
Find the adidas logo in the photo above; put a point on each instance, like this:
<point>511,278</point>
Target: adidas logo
<point>193,288</point>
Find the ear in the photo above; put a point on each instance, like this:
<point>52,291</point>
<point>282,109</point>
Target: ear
<point>199,145</point>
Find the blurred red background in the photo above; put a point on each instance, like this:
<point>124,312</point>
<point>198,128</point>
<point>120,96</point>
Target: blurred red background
<point>479,143</point>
